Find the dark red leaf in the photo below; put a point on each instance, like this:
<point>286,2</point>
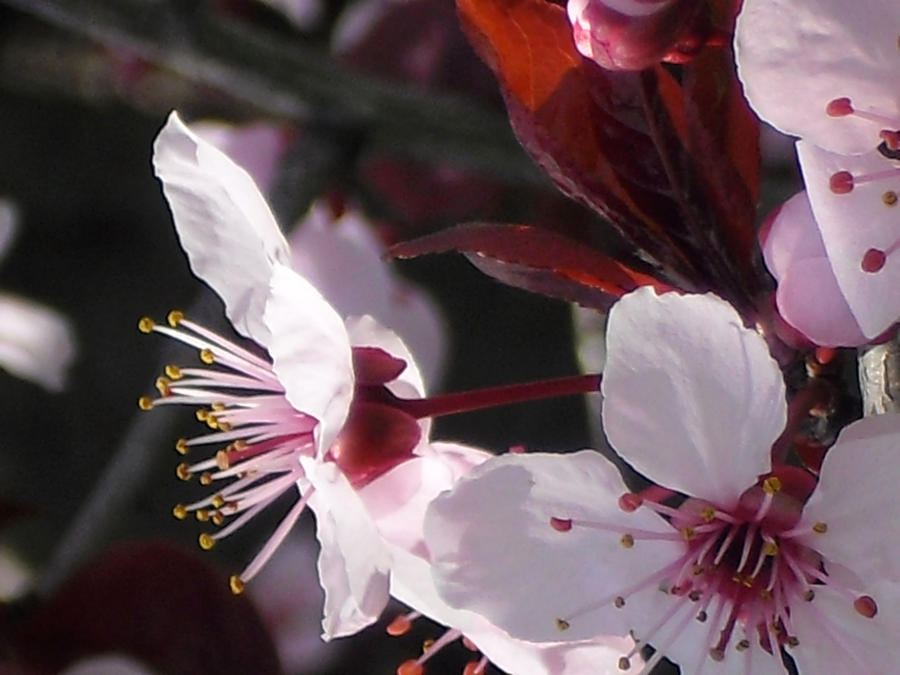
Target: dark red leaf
<point>628,144</point>
<point>536,259</point>
<point>156,602</point>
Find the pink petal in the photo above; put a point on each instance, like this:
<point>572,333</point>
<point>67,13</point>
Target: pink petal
<point>353,563</point>
<point>857,498</point>
<point>691,398</point>
<point>809,299</point>
<point>344,259</point>
<point>257,148</point>
<point>791,235</point>
<point>223,222</point>
<point>310,352</point>
<point>412,584</point>
<point>37,343</point>
<point>834,638</point>
<point>495,552</point>
<point>794,57</point>
<point>853,223</point>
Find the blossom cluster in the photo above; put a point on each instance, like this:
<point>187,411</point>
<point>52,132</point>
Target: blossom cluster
<point>737,515</point>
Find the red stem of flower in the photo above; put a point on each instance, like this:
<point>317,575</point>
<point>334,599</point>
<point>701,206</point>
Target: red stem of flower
<point>492,397</point>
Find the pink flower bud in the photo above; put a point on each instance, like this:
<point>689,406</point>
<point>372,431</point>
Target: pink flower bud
<point>631,34</point>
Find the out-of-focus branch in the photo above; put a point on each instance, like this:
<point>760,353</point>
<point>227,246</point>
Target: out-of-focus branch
<point>290,80</point>
<point>879,378</point>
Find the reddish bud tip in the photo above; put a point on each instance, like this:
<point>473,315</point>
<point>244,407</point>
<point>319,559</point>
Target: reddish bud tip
<point>410,668</point>
<point>839,107</point>
<point>865,605</point>
<point>472,668</point>
<point>841,182</point>
<point>825,355</point>
<point>468,644</point>
<point>890,138</point>
<point>873,260</point>
<point>561,524</point>
<point>630,502</point>
<point>517,449</point>
<point>401,625</point>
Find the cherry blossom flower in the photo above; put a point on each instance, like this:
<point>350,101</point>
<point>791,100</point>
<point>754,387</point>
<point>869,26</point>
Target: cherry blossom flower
<point>310,415</point>
<point>745,571</point>
<point>808,296</point>
<point>629,34</point>
<point>826,72</point>
<point>36,342</point>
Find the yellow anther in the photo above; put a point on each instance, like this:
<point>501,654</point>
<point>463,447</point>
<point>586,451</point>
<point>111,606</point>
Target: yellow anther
<point>562,624</point>
<point>146,324</point>
<point>181,446</point>
<point>627,540</point>
<point>708,514</point>
<point>206,478</point>
<point>748,581</point>
<point>212,422</point>
<point>217,518</point>
<point>183,471</point>
<point>202,515</point>
<point>162,386</point>
<point>175,317</point>
<point>743,645</point>
<point>820,528</point>
<point>207,356</point>
<point>239,444</point>
<point>206,541</point>
<point>173,372</point>
<point>202,414</point>
<point>770,548</point>
<point>218,406</point>
<point>771,485</point>
<point>232,506</point>
<point>224,426</point>
<point>222,460</point>
<point>145,403</point>
<point>218,501</point>
<point>889,198</point>
<point>624,663</point>
<point>765,594</point>
<point>688,533</point>
<point>427,644</point>
<point>236,584</point>
<point>179,511</point>
<point>698,570</point>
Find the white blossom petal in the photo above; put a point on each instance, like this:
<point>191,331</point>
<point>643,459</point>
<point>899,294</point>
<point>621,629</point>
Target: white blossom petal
<point>36,342</point>
<point>310,352</point>
<point>225,226</point>
<point>794,57</point>
<point>495,552</point>
<point>857,499</point>
<point>353,563</point>
<point>853,223</point>
<point>256,148</point>
<point>344,259</point>
<point>834,638</point>
<point>412,584</point>
<point>691,398</point>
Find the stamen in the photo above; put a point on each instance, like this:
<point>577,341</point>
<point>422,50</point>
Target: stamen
<point>865,605</point>
<point>402,624</point>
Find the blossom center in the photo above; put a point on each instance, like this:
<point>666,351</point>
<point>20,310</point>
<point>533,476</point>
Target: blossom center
<point>740,571</point>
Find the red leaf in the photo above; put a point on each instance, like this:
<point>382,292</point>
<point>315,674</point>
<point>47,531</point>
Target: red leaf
<point>160,604</point>
<point>536,259</point>
<point>627,144</point>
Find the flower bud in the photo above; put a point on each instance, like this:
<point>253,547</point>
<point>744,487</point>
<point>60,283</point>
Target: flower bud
<point>632,34</point>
